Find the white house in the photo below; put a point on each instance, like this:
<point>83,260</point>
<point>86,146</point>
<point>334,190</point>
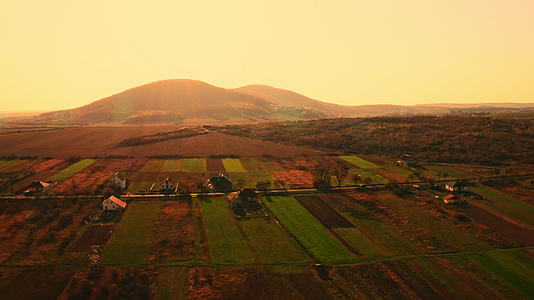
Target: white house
<point>113,203</point>
<point>457,186</point>
<point>118,180</point>
<point>167,186</point>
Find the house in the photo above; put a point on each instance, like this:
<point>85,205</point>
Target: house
<point>407,160</point>
<point>452,199</point>
<point>456,186</point>
<point>113,203</point>
<point>37,187</point>
<point>118,181</point>
<point>167,186</point>
<point>220,183</point>
<point>243,197</point>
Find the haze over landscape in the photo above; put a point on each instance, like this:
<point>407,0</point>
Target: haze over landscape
<point>266,149</point>
<point>64,54</point>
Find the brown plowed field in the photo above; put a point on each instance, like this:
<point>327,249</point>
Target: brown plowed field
<point>47,165</point>
<point>513,234</point>
<point>102,142</point>
<point>94,235</point>
<point>215,165</point>
<point>324,213</point>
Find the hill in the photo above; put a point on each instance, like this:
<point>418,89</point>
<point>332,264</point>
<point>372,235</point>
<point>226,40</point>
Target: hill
<point>184,101</point>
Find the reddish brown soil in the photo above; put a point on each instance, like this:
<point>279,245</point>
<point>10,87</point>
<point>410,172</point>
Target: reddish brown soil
<point>324,213</point>
<point>417,234</point>
<point>390,176</point>
<point>36,232</point>
<point>295,178</point>
<point>172,237</point>
<point>214,165</point>
<point>191,180</point>
<point>36,284</point>
<point>102,142</point>
<point>519,192</point>
<point>47,165</point>
<point>20,166</point>
<point>94,235</point>
<point>512,234</point>
<point>233,283</point>
<point>92,177</point>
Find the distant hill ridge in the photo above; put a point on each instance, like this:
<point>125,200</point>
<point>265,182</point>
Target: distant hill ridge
<point>186,101</point>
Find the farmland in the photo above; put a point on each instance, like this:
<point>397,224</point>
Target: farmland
<point>371,241</point>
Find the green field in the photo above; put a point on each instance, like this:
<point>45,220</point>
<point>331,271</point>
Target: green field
<point>307,229</point>
<point>226,244</point>
<point>383,238</point>
<point>502,203</point>
<point>128,244</point>
<point>250,179</point>
<point>72,169</point>
<point>270,244</point>
<point>138,186</point>
<point>359,162</point>
<point>8,162</point>
<point>368,174</point>
<point>233,165</point>
<point>450,171</point>
<point>254,164</point>
<point>358,241</point>
<point>172,283</point>
<point>153,165</point>
<point>449,235</point>
<point>173,165</point>
<point>194,165</point>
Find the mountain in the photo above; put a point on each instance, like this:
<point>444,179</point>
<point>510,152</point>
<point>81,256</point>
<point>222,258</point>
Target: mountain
<point>184,101</point>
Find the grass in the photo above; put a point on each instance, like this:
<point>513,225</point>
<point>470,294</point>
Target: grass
<point>233,165</point>
<point>172,165</point>
<point>72,169</point>
<point>250,179</point>
<point>385,240</point>
<point>6,163</point>
<point>270,243</point>
<point>153,165</point>
<point>368,174</point>
<point>449,235</point>
<point>226,244</point>
<point>506,204</point>
<point>451,171</point>
<point>138,186</point>
<point>128,244</point>
<point>194,165</point>
<point>358,241</point>
<point>307,229</point>
<point>512,267</point>
<point>252,164</point>
<point>172,283</point>
<point>359,162</point>
<point>402,171</point>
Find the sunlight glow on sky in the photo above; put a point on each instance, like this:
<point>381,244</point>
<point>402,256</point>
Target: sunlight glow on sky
<point>58,54</point>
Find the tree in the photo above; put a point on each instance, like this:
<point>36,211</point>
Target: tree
<point>356,178</point>
<point>322,172</point>
<point>368,180</point>
<point>201,186</point>
<point>340,171</point>
<point>240,183</point>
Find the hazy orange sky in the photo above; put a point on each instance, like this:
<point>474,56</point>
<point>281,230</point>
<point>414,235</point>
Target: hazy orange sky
<point>62,54</point>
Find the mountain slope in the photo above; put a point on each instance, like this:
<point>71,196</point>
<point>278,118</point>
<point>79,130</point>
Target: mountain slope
<point>184,101</point>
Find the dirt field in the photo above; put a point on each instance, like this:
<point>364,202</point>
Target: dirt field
<point>102,142</point>
<point>324,213</point>
<point>512,234</point>
<point>295,178</point>
<point>215,165</point>
<point>172,237</point>
<point>93,235</point>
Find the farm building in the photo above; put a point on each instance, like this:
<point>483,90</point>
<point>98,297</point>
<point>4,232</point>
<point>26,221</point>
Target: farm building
<point>452,199</point>
<point>220,183</point>
<point>118,181</point>
<point>113,203</point>
<point>407,160</point>
<point>37,187</point>
<point>456,186</point>
<point>167,186</point>
<point>242,197</point>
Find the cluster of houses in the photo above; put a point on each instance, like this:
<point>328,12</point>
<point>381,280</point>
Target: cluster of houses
<point>456,188</point>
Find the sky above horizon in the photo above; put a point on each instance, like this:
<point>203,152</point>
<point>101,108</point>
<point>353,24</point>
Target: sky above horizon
<point>59,54</point>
